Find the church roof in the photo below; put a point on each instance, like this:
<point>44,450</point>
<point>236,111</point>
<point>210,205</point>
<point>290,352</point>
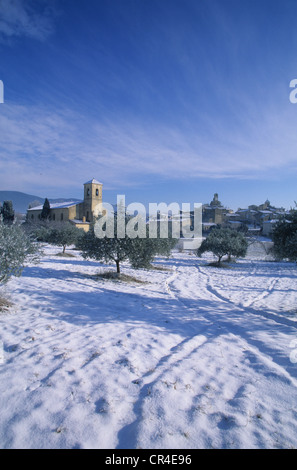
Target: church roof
<point>57,205</point>
<point>93,181</point>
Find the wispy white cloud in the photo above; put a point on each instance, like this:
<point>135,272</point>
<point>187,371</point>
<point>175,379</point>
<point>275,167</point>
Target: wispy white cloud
<point>45,149</point>
<point>25,18</point>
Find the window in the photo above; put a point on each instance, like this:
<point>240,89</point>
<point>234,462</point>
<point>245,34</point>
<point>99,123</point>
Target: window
<point>62,216</point>
<point>88,192</point>
<point>54,216</point>
<point>97,192</point>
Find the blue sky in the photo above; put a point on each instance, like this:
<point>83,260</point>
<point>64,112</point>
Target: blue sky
<point>160,100</point>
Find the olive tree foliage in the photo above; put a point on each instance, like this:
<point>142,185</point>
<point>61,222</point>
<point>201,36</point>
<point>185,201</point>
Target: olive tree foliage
<point>104,249</point>
<point>16,250</point>
<point>153,241</point>
<point>238,244</point>
<point>224,242</point>
<point>284,237</point>
<point>140,251</point>
<point>144,250</point>
<point>63,234</point>
<point>56,233</point>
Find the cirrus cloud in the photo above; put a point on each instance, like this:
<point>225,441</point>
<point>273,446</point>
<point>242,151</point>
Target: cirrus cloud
<point>40,148</point>
<point>25,18</point>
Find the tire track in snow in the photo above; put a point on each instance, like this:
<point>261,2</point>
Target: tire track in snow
<point>247,307</point>
<point>263,295</point>
<point>168,281</point>
<point>207,291</point>
<point>174,360</point>
<point>211,289</point>
<point>235,308</point>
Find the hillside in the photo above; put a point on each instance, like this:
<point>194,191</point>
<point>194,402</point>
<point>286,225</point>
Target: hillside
<point>21,200</point>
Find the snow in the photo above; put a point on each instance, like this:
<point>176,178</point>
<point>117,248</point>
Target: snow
<point>93,181</point>
<point>57,205</point>
<point>193,357</point>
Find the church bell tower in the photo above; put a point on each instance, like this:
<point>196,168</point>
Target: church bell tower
<point>92,199</point>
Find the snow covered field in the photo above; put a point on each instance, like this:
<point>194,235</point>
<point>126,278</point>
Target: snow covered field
<point>194,357</point>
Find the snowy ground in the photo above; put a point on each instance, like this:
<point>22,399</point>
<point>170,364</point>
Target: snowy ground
<point>195,357</point>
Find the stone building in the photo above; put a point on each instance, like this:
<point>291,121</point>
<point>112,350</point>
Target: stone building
<point>81,213</point>
<point>214,212</point>
<point>259,219</point>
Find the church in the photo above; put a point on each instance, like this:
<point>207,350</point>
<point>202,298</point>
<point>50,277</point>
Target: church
<point>81,213</point>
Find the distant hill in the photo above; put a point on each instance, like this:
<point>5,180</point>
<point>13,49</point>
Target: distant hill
<point>21,201</point>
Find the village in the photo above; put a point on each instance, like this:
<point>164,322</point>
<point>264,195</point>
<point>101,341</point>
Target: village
<point>253,220</point>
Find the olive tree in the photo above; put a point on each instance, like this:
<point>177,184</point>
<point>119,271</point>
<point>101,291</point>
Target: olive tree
<point>16,250</point>
<point>55,233</point>
<point>224,242</point>
<point>138,250</point>
<point>63,234</point>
